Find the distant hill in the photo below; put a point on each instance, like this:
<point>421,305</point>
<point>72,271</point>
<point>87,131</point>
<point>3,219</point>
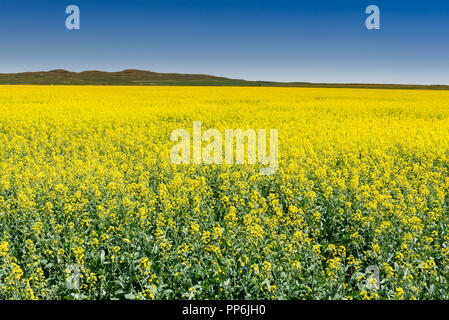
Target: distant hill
<point>125,77</point>
<point>148,78</point>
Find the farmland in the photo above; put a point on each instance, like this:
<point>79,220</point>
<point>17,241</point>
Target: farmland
<point>86,180</point>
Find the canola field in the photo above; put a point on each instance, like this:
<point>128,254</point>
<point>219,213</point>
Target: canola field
<point>87,186</point>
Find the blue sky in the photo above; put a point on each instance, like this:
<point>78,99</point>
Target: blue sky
<point>282,40</point>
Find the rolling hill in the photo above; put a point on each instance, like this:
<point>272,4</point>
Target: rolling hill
<point>148,78</point>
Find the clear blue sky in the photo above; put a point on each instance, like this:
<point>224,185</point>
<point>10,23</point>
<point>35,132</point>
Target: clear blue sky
<point>282,40</point>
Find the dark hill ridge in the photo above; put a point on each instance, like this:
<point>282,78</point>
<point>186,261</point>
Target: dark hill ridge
<point>148,78</point>
<point>125,77</point>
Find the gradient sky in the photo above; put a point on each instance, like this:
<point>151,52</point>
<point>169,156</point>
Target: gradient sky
<point>282,40</point>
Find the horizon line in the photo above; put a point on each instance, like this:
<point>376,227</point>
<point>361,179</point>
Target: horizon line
<point>228,78</point>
